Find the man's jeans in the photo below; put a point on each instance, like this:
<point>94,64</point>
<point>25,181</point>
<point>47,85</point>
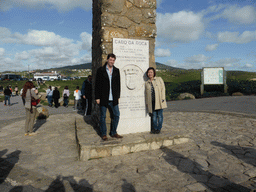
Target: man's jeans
<point>157,119</point>
<point>7,98</point>
<point>114,121</point>
<point>49,98</point>
<point>65,101</point>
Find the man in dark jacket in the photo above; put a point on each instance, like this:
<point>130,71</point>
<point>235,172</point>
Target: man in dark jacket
<point>7,94</point>
<point>107,94</point>
<point>87,96</point>
<point>56,96</point>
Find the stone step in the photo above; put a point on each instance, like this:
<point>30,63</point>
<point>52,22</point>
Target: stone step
<point>91,146</point>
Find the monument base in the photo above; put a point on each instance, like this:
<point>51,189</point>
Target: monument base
<point>91,146</point>
<point>136,125</point>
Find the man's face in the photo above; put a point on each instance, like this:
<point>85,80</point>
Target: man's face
<point>111,61</point>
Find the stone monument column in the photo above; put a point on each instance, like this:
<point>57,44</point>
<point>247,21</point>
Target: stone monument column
<point>129,20</point>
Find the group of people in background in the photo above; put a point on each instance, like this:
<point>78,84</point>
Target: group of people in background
<point>82,98</point>
<point>53,96</point>
<point>8,93</point>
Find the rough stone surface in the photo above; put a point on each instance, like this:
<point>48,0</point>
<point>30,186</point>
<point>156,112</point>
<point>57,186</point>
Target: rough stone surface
<point>237,94</point>
<point>121,19</point>
<point>215,158</point>
<point>196,187</point>
<point>43,111</point>
<point>185,96</point>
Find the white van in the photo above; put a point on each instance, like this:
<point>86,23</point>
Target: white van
<point>46,78</point>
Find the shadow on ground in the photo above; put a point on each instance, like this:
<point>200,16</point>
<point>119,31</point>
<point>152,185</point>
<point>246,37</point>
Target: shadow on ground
<point>246,154</point>
<point>58,185</point>
<point>7,164</point>
<point>208,180</point>
<point>39,123</point>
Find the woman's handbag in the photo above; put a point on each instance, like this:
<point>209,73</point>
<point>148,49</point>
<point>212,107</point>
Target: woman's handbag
<point>34,102</point>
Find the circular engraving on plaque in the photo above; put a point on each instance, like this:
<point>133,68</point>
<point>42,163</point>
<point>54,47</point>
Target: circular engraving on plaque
<point>133,76</point>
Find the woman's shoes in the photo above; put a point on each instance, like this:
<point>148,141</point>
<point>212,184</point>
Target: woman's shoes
<point>32,134</point>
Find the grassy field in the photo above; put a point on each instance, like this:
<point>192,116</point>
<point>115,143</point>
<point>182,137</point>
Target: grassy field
<point>1,98</point>
<point>177,81</point>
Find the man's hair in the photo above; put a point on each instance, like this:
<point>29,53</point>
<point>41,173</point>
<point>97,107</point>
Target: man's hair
<point>66,87</point>
<point>151,68</point>
<point>111,55</point>
<point>77,87</point>
<point>89,76</point>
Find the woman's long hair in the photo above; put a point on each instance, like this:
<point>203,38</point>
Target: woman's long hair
<point>28,85</point>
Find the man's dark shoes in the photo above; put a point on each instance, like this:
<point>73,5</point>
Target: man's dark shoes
<point>104,138</point>
<point>157,131</point>
<point>117,136</point>
<point>153,131</point>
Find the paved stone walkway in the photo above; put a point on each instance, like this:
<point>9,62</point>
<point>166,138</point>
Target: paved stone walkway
<point>221,156</point>
<point>16,111</point>
<point>234,104</point>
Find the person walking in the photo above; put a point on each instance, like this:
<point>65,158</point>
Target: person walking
<point>65,96</point>
<point>1,88</point>
<point>16,89</point>
<point>87,96</point>
<point>56,96</point>
<point>30,95</point>
<point>7,96</point>
<point>23,99</point>
<point>107,94</point>
<point>155,99</point>
<point>77,95</point>
<point>49,93</point>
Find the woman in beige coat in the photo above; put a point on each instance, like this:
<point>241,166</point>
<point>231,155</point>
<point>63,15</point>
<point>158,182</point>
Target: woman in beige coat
<point>28,93</point>
<point>155,99</point>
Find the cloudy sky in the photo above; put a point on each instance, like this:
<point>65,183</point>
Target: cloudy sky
<point>190,33</point>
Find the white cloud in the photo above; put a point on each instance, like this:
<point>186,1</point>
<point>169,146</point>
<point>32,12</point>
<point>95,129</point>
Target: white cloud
<point>248,65</point>
<point>233,13</point>
<point>22,56</point>
<point>234,37</point>
<point>211,47</point>
<point>172,62</point>
<point>226,62</point>
<point>34,37</point>
<point>42,38</point>
<point>84,59</point>
<point>162,53</point>
<point>240,15</point>
<point>54,50</point>
<point>60,5</point>
<point>180,27</point>
<point>197,59</point>
<point>86,41</point>
<point>2,52</point>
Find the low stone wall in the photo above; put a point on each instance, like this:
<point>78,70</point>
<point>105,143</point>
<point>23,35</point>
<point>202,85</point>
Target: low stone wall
<point>91,145</point>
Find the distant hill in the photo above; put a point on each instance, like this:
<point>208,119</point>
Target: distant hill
<point>89,66</point>
<point>80,66</point>
<point>168,67</point>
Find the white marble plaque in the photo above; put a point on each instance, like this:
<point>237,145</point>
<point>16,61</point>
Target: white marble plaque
<point>132,59</point>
